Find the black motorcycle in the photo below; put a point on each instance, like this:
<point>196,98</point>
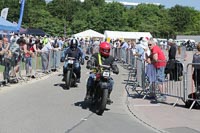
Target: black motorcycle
<point>101,90</point>
<point>190,46</point>
<point>69,75</point>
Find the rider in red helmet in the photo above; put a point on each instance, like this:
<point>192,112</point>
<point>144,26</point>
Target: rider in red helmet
<point>104,49</point>
<point>106,59</point>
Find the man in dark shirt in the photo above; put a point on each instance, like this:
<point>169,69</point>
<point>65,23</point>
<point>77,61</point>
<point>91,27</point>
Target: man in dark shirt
<point>172,58</point>
<point>172,49</point>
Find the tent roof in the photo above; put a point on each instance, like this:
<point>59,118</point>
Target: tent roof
<point>7,25</point>
<point>30,31</point>
<point>126,35</point>
<point>89,33</point>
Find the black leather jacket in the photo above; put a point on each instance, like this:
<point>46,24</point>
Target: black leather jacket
<point>110,61</point>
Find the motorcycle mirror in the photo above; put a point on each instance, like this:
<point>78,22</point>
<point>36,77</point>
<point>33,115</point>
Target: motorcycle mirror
<point>86,57</point>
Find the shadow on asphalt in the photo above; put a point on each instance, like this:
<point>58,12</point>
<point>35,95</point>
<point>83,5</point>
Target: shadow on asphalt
<point>87,105</point>
<point>62,85</point>
<point>171,104</point>
<point>136,96</point>
<point>153,101</point>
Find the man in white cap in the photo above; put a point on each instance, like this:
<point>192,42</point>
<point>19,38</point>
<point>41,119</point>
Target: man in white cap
<point>172,50</point>
<point>140,48</point>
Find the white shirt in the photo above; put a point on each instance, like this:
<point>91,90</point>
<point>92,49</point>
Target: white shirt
<point>47,47</point>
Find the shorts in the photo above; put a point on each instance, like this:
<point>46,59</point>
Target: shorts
<point>160,75</point>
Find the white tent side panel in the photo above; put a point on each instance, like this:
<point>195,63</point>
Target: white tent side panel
<point>126,35</point>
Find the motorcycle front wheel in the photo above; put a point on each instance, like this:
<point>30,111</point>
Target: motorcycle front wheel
<point>67,79</point>
<point>102,103</point>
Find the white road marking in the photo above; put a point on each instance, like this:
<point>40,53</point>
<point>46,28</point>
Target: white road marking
<point>145,105</point>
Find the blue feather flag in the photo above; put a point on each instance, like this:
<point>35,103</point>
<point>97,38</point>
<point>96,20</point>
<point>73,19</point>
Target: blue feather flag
<point>22,3</point>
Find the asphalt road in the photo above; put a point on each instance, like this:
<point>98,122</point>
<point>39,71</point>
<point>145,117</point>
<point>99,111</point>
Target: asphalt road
<point>44,106</point>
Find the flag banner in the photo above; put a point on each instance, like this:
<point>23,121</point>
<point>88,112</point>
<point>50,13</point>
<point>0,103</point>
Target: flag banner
<point>4,13</point>
<point>22,2</point>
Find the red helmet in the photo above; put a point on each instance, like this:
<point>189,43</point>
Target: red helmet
<point>104,49</point>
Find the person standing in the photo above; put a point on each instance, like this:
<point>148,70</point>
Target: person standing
<point>172,59</point>
<point>196,72</point>
<point>45,52</point>
<point>157,58</point>
<point>139,49</point>
<point>7,59</point>
<point>172,50</point>
<point>124,47</point>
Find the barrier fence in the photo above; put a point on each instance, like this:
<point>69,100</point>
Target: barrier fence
<point>178,82</point>
<point>19,68</point>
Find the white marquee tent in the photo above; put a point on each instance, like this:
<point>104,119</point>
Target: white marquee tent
<point>89,33</point>
<point>126,35</point>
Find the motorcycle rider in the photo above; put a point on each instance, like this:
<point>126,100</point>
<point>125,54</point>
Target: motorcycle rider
<point>74,51</point>
<point>101,58</point>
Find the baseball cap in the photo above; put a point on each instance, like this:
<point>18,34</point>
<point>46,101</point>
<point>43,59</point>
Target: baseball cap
<point>171,40</point>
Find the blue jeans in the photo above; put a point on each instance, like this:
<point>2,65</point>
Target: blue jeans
<point>56,59</point>
<point>28,64</point>
<point>45,61</point>
<point>77,69</point>
<point>160,75</point>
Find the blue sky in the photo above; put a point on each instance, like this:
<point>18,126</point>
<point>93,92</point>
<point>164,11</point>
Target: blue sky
<point>169,3</point>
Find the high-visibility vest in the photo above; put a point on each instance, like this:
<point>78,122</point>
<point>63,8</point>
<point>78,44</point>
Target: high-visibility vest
<point>99,58</point>
<point>45,41</point>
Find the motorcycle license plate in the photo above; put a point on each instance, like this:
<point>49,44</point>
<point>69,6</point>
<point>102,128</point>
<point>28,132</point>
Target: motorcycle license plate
<point>106,74</point>
<point>70,61</point>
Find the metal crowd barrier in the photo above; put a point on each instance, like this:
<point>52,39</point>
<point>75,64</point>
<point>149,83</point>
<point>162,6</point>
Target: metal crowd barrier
<point>26,71</point>
<point>175,83</point>
<point>178,85</point>
<point>191,86</point>
<point>138,74</point>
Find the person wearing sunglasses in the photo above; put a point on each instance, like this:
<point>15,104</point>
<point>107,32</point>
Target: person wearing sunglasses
<point>157,58</point>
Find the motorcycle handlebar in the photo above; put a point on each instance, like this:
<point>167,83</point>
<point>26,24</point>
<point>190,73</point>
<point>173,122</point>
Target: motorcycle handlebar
<point>101,67</point>
<point>70,58</point>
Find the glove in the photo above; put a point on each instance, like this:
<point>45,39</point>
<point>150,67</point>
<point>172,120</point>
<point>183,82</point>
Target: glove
<point>115,69</point>
<point>82,61</point>
<point>89,64</point>
<point>62,59</point>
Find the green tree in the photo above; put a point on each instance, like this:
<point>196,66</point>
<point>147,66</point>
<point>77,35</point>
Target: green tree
<point>113,16</point>
<point>60,17</point>
<point>150,18</point>
<point>180,17</point>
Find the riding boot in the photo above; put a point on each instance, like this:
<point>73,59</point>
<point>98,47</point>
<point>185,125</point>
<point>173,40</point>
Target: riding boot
<point>109,101</point>
<point>87,97</point>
